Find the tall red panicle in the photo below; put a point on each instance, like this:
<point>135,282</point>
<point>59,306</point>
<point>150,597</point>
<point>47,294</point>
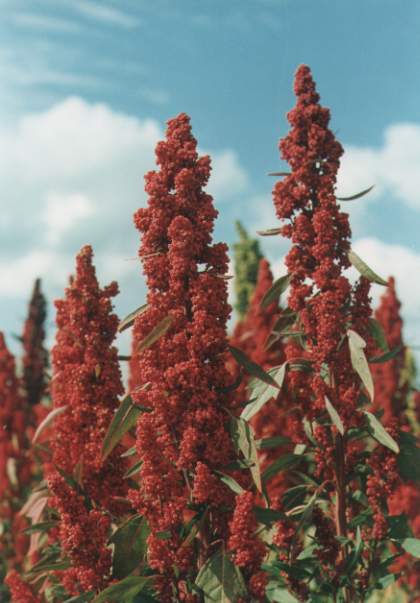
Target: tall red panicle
<point>320,233</point>
<point>20,591</point>
<point>87,381</point>
<point>184,438</point>
<point>390,390</point>
<point>35,356</point>
<point>11,419</point>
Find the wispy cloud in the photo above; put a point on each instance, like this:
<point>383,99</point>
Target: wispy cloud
<point>154,96</point>
<point>105,13</point>
<point>44,22</point>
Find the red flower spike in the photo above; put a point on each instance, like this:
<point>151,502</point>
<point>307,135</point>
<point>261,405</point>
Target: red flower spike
<point>186,366</point>
<point>86,379</point>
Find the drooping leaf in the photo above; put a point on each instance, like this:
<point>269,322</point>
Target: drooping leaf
<point>412,546</point>
<point>270,232</point>
<point>378,334</point>
<point>272,442</point>
<point>47,421</point>
<point>265,393</point>
<point>251,367</point>
<point>359,361</point>
<point>334,416</point>
<point>128,321</point>
<point>156,333</point>
<point>124,419</point>
<point>220,580</point>
<point>231,483</point>
<point>378,431</point>
<point>286,461</point>
<point>279,286</point>
<point>243,438</point>
<point>387,356</point>
<point>364,269</point>
<point>123,591</point>
<point>81,598</point>
<point>279,174</point>
<point>129,546</point>
<point>133,470</point>
<point>357,195</point>
<point>43,526</point>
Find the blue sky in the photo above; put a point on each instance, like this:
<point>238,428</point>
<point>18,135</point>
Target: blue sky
<point>87,86</point>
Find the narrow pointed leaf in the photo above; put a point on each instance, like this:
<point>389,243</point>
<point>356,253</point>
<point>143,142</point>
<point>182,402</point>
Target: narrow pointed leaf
<point>251,367</point>
<point>378,334</point>
<point>231,483</point>
<point>385,357</point>
<point>123,591</point>
<point>380,434</point>
<point>267,393</point>
<point>334,416</point>
<point>220,580</point>
<point>357,195</point>
<point>155,334</point>
<point>270,232</point>
<point>279,174</point>
<point>128,321</point>
<point>124,419</point>
<point>273,294</point>
<point>47,421</point>
<point>359,361</point>
<point>244,441</point>
<point>364,269</point>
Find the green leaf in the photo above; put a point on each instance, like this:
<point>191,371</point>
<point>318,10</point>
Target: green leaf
<point>284,462</point>
<point>129,542</point>
<point>279,174</point>
<point>231,483</point>
<point>294,496</point>
<point>43,526</point>
<point>334,416</point>
<point>378,431</point>
<point>81,598</point>
<point>124,419</point>
<point>47,421</point>
<point>123,591</point>
<point>133,470</point>
<point>156,333</point>
<point>273,294</point>
<point>377,332</point>
<point>252,368</point>
<point>412,546</point>
<point>364,269</point>
<point>268,516</point>
<point>355,556</point>
<point>270,232</point>
<point>387,356</point>
<point>279,595</point>
<point>220,580</point>
<point>273,442</point>
<point>409,458</point>
<point>357,195</point>
<point>265,393</point>
<point>243,438</point>
<point>359,361</point>
<point>399,527</point>
<point>128,321</point>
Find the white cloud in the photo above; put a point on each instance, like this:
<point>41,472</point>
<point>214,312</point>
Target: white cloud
<point>393,168</point>
<point>106,14</point>
<point>398,261</point>
<point>63,211</point>
<point>73,175</point>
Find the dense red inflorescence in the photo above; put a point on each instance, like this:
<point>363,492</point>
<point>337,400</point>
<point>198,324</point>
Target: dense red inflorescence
<point>15,472</point>
<point>35,357</point>
<point>87,381</point>
<point>325,302</point>
<point>20,591</point>
<point>320,233</point>
<point>248,551</point>
<point>185,437</point>
<point>390,389</point>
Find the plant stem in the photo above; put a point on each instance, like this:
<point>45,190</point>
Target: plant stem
<point>340,507</point>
